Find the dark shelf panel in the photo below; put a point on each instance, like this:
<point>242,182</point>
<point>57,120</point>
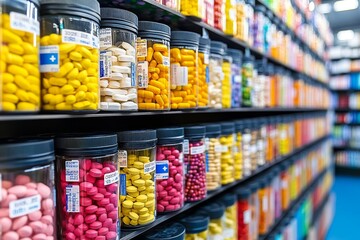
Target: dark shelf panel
<point>344,58</point>
<point>349,124</point>
<point>161,219</point>
<point>345,90</point>
<point>346,110</point>
<point>347,170</point>
<point>344,73</point>
<point>44,123</point>
<point>153,11</point>
<point>344,148</point>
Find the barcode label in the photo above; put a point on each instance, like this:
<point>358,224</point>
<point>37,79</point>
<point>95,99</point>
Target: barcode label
<point>72,198</point>
<point>142,74</point>
<point>122,156</point>
<point>72,171</point>
<point>105,38</point>
<point>110,178</point>
<point>141,47</point>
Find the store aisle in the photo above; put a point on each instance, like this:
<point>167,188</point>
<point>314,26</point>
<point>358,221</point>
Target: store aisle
<point>345,225</point>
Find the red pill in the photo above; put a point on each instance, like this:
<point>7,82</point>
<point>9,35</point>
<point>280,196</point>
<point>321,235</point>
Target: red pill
<point>111,235</point>
<point>110,207</point>
<point>160,208</point>
<point>103,231</point>
<point>91,233</point>
<point>92,191</point>
<point>97,196</point>
<point>100,211</point>
<point>96,173</point>
<point>78,219</point>
<point>102,217</point>
<point>103,202</point>
<point>90,218</point>
<point>105,170</point>
<point>113,215</point>
<point>96,225</point>
<point>96,165</point>
<point>85,201</point>
<point>107,223</point>
<point>91,209</point>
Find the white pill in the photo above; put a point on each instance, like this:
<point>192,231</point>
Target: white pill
<point>114,59</point>
<point>117,76</point>
<point>107,99</point>
<point>110,92</point>
<point>132,96</point>
<point>117,51</point>
<point>125,64</point>
<point>126,58</point>
<point>132,90</point>
<point>126,83</point>
<point>104,83</point>
<point>127,46</point>
<point>120,98</point>
<point>120,69</point>
<point>131,52</point>
<point>120,91</point>
<point>113,106</point>
<point>129,106</point>
<point>106,53</point>
<point>103,105</point>
<point>114,84</point>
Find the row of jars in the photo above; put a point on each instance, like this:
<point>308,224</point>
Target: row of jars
<point>250,211</point>
<point>107,60</point>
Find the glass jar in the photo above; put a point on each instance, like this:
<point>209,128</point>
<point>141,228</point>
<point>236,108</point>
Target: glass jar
<point>184,70</point>
<point>277,192</point>
<point>69,55</point>
<point>203,73</point>
<point>208,16</point>
<point>261,158</point>
<point>235,77</point>
<point>263,196</point>
<point>258,28</point>
<point>194,160</point>
<point>215,211</point>
<point>213,156</point>
<point>19,58</point>
<point>196,227</point>
<point>241,21</point>
<point>267,31</point>
<point>259,84</point>
<point>246,148</point>
<point>27,189</point>
<point>173,231</point>
<point>238,156</point>
<point>250,5</point>
<point>227,140</point>
<point>270,140</point>
<point>217,51</point>
<point>226,91</point>
<point>244,209</point>
<point>285,185</point>
<point>254,133</point>
<point>88,186</point>
<point>255,213</point>
<point>230,217</point>
<point>169,169</point>
<point>219,11</point>
<point>192,8</point>
<point>230,17</point>
<point>153,66</point>
<point>118,35</point>
<point>137,177</point>
<point>247,78</point>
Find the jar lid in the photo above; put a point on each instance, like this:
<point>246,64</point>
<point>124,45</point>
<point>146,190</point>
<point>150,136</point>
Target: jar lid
<point>26,153</point>
<point>213,129</point>
<point>235,54</point>
<point>85,145</point>
<point>89,9</point>
<point>196,223</point>
<point>260,8</point>
<point>119,18</point>
<point>229,199</point>
<point>253,186</point>
<point>184,38</point>
<point>194,131</point>
<point>227,128</point>
<point>138,139</point>
<point>154,30</point>
<point>170,135</point>
<point>243,193</point>
<point>204,44</point>
<point>175,231</point>
<point>214,210</point>
<point>218,47</point>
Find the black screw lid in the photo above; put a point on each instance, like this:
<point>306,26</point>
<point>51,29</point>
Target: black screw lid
<point>243,193</point>
<point>236,55</point>
<point>170,135</point>
<point>204,45</point>
<point>175,231</point>
<point>138,139</point>
<point>239,125</point>
<point>185,38</point>
<point>227,128</point>
<point>194,131</point>
<point>212,129</point>
<point>218,48</point>
<point>229,199</point>
<point>154,30</point>
<point>214,210</point>
<point>196,223</point>
<point>119,18</point>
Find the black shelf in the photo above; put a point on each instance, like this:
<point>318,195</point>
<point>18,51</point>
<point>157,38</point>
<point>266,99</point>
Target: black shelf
<point>45,123</point>
<point>344,148</point>
<point>345,90</point>
<point>153,11</point>
<point>348,124</point>
<point>346,110</point>
<point>347,170</point>
<point>161,219</point>
<point>344,73</point>
<point>344,58</point>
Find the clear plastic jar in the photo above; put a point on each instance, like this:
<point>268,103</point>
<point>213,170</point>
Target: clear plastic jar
<point>196,227</point>
<point>219,11</point>
<point>213,156</point>
<point>230,217</point>
<point>263,196</point>
<point>258,28</point>
<point>194,159</point>
<point>137,177</point>
<point>192,8</point>
<point>285,186</point>
<point>261,142</point>
<point>217,51</point>
<point>246,149</point>
<point>230,17</point>
<point>254,133</point>
<point>242,28</point>
<point>88,186</point>
<point>153,67</point>
<point>173,231</point>
<point>227,140</point>
<point>184,70</point>
<point>69,55</point>
<point>203,73</point>
<point>27,189</point>
<point>226,90</point>
<point>247,78</point>
<point>118,87</point>
<point>208,16</point>
<point>236,56</point>
<point>255,206</point>
<point>215,211</point>
<point>238,156</point>
<point>169,169</point>
<point>244,209</point>
<point>19,58</point>
<point>250,5</point>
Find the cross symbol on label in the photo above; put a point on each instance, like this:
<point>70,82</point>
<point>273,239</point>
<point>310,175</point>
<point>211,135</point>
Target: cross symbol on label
<point>164,168</point>
<point>52,58</point>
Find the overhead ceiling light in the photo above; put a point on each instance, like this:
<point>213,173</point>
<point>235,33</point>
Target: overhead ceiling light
<point>345,5</point>
<point>311,6</point>
<point>345,35</point>
<point>324,8</point>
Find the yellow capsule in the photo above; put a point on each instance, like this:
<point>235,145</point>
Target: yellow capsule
<point>81,105</point>
<point>7,97</point>
<point>153,64</point>
<point>33,80</point>
<point>133,216</point>
<point>153,89</point>
<point>22,95</point>
<point>150,52</point>
<point>90,96</point>
<point>70,99</point>
<point>75,83</point>
<point>9,37</point>
<point>7,78</point>
<point>86,63</point>
<point>8,106</point>
<point>76,56</point>
<point>58,98</point>
<point>44,41</point>
<point>58,81</point>
<point>73,74</point>
<point>185,51</point>
<point>29,48</point>
<point>16,49</point>
<point>48,107</point>
<point>159,100</point>
<point>175,54</point>
<point>80,96</point>
<point>78,66</point>
<point>82,75</point>
<point>66,47</point>
<point>25,106</point>
<point>158,57</point>
<point>92,87</point>
<point>92,71</point>
<point>159,47</point>
<point>32,69</point>
<point>14,59</point>
<point>33,98</point>
<point>21,82</point>
<point>31,58</point>
<point>47,97</point>
<point>64,69</point>
<point>157,84</point>
<point>54,90</point>
<point>67,89</point>
<point>85,52</point>
<point>63,106</point>
<point>54,39</point>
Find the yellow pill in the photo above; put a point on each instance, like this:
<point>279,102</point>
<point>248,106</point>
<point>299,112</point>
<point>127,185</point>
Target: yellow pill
<point>63,106</point>
<point>66,47</point>
<point>135,177</point>
<point>85,52</point>
<point>54,39</point>
<point>81,105</point>
<point>149,183</point>
<point>141,198</point>
<point>8,106</point>
<point>134,194</point>
<point>151,196</point>
<point>139,165</point>
<point>25,106</point>
<point>47,97</point>
<point>64,69</point>
<point>131,189</point>
<point>134,223</point>
<point>32,69</point>
<point>154,90</point>
<point>54,90</point>
<point>150,189</point>
<point>57,81</point>
<point>150,52</point>
<point>138,205</point>
<point>31,58</point>
<point>33,80</point>
<point>48,107</point>
<point>86,63</point>
<point>14,59</point>
<point>10,88</point>
<point>29,48</point>
<point>159,100</point>
<point>80,95</point>
<point>16,49</point>
<point>150,219</point>
<point>82,75</point>
<point>145,94</point>
<point>7,97</point>
<point>78,66</point>
<point>75,56</point>
<point>33,98</point>
<point>127,204</point>
<point>7,78</point>
<point>175,54</point>
<point>146,176</point>
<point>185,51</point>
<point>143,211</point>
<point>73,74</point>
<point>70,99</point>
<point>157,84</point>
<point>58,98</point>
<point>130,198</point>
<point>144,216</point>
<point>134,171</point>
<point>75,83</point>
<point>141,188</point>
<point>158,57</point>
<point>21,82</point>
<point>9,37</point>
<point>159,47</point>
<point>44,41</point>
<point>149,203</point>
<point>67,89</point>
<point>126,220</point>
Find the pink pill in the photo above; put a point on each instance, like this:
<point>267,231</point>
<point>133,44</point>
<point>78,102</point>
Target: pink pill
<point>96,165</point>
<point>86,186</point>
<point>175,200</point>
<point>113,215</point>
<point>3,194</point>
<point>96,173</point>
<point>160,208</point>
<point>112,187</point>
<point>178,178</point>
<point>90,178</point>
<point>170,208</point>
<point>19,222</point>
<point>49,230</point>
<point>4,212</point>
<point>85,202</point>
<point>31,185</point>
<point>47,219</point>
<point>6,184</point>
<point>100,211</point>
<point>113,198</point>
<point>70,236</point>
<point>18,191</point>
<point>163,194</point>
<point>168,188</point>
<point>179,169</point>
<point>105,170</point>
<point>164,203</point>
<point>102,217</point>
<point>107,195</point>
<point>43,190</point>
<point>96,225</point>
<point>113,227</point>
<point>110,207</point>
<point>176,153</point>
<point>22,179</point>
<point>47,204</point>
<point>78,219</point>
<point>178,186</point>
<point>70,227</point>
<point>102,190</point>
<point>97,197</point>
<point>90,218</point>
<point>100,183</point>
<point>167,152</point>
<point>111,235</point>
<point>107,223</point>
<point>168,198</point>
<point>103,231</point>
<point>91,209</point>
<point>39,236</point>
<point>78,232</point>
<point>25,231</point>
<point>103,202</point>
<point>171,158</point>
<point>36,226</point>
<point>35,216</point>
<point>176,162</point>
<point>164,183</point>
<point>100,238</point>
<point>31,192</point>
<point>82,174</point>
<point>5,223</point>
<point>86,164</point>
<point>170,181</point>
<point>91,233</point>
<point>26,238</point>
<point>92,191</point>
<point>47,238</point>
<point>83,194</point>
<point>172,192</point>
<point>83,227</point>
<point>159,188</point>
<point>10,236</point>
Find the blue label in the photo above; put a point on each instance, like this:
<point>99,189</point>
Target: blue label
<point>162,169</point>
<point>123,184</point>
<point>207,161</point>
<point>133,84</point>
<point>102,69</point>
<point>49,58</point>
<point>207,74</point>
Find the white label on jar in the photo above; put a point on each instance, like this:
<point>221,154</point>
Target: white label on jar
<point>133,75</point>
<point>265,203</point>
<point>72,170</point>
<point>224,148</point>
<point>197,150</point>
<point>206,58</point>
<point>186,146</point>
<point>49,58</point>
<point>215,237</point>
<point>247,216</point>
<point>207,144</point>
<point>235,149</point>
<point>247,137</point>
<point>22,22</point>
<point>122,156</point>
<point>24,206</point>
<point>105,64</point>
<point>218,148</point>
<point>141,47</point>
<point>178,75</point>
<point>79,37</point>
<point>228,233</point>
<point>162,169</point>
<point>105,38</point>
<point>149,167</point>
<point>0,187</point>
<point>142,74</point>
<point>237,79</point>
<point>253,148</point>
<point>166,61</point>
<point>110,178</point>
<point>218,69</point>
<point>72,198</point>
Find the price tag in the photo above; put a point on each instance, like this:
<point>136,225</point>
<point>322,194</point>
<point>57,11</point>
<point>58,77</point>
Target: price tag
<point>141,47</point>
<point>24,206</point>
<point>149,167</point>
<point>105,38</point>
<point>179,75</point>
<point>110,178</point>
<point>72,171</point>
<point>122,156</point>
<point>142,74</point>
<point>186,146</point>
<point>72,198</point>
